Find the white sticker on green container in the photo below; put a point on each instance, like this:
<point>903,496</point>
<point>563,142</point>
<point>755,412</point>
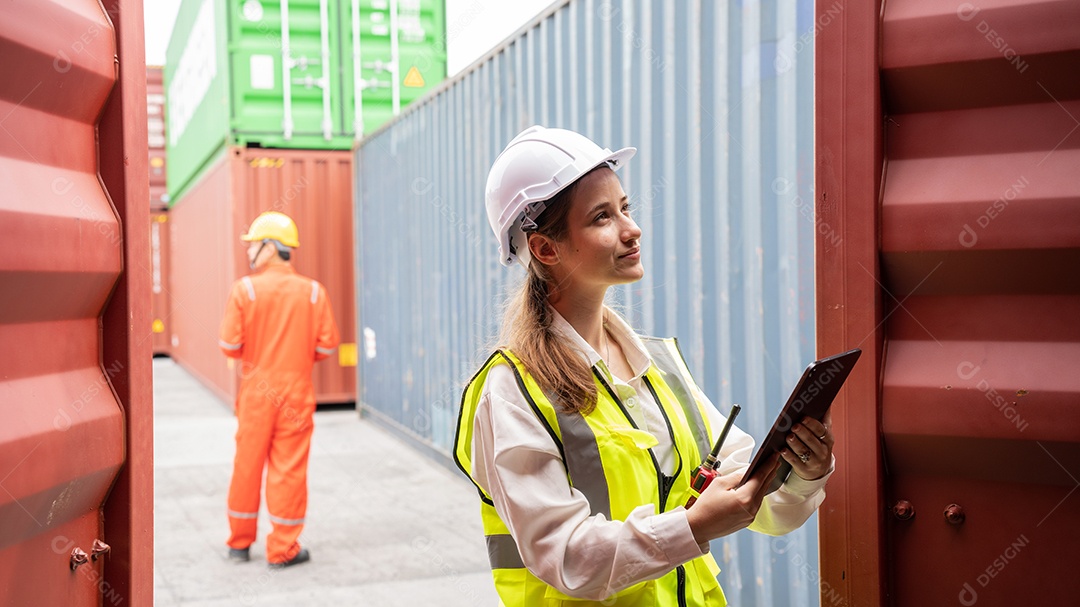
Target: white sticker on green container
<point>262,72</point>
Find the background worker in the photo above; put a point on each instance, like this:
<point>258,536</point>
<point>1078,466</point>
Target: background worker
<point>580,435</point>
<point>278,323</point>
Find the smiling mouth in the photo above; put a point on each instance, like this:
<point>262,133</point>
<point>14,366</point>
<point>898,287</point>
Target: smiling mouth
<point>633,251</point>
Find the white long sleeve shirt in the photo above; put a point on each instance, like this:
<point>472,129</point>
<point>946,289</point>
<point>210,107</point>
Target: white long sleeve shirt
<point>516,462</point>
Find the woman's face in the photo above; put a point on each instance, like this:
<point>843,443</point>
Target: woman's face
<point>601,247</point>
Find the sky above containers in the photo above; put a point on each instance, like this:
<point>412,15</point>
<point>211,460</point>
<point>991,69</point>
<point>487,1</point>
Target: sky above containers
<point>473,27</point>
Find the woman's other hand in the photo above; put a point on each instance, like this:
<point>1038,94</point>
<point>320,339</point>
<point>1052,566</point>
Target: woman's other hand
<point>725,508</point>
<point>809,449</point>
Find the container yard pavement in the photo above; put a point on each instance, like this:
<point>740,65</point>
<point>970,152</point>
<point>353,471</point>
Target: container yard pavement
<point>386,525</point>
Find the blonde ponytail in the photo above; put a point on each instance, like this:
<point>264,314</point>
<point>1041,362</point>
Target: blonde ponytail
<point>556,365</point>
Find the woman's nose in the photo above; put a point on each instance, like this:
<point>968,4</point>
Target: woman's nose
<point>631,231</point>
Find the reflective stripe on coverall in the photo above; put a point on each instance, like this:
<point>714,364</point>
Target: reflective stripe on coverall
<point>607,460</point>
<point>278,323</point>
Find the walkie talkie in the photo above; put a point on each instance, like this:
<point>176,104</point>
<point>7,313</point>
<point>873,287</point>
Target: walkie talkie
<point>707,471</point>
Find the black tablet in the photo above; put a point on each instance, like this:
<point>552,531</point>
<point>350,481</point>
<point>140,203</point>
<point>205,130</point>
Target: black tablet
<point>811,397</point>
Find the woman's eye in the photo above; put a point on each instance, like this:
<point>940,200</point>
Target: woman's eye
<point>601,216</point>
<point>626,209</point>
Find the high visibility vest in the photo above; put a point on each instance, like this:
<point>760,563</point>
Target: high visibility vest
<point>606,458</point>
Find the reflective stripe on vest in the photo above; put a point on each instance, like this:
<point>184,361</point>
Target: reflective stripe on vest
<point>503,552</point>
<point>581,455</point>
<point>669,362</point>
<point>624,448</point>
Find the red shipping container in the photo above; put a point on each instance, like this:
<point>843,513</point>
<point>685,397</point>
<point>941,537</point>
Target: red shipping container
<point>207,255</point>
<point>77,435</point>
<point>947,146</point>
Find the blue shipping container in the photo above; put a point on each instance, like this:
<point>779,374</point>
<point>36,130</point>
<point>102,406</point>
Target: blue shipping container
<point>718,97</point>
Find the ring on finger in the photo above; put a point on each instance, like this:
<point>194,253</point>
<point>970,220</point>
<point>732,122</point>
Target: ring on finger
<point>804,457</point>
<point>821,438</point>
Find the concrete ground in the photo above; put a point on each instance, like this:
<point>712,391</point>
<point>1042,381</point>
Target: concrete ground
<point>386,526</point>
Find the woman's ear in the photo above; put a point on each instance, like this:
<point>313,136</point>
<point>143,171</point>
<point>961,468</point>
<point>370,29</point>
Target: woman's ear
<point>543,249</point>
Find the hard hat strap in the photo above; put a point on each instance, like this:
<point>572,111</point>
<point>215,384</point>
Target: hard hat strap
<point>531,213</point>
<point>251,262</point>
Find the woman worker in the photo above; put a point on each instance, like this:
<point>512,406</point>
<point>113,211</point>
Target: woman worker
<point>581,435</point>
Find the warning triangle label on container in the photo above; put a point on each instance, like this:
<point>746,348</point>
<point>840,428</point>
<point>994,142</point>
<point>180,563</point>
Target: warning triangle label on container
<point>413,78</point>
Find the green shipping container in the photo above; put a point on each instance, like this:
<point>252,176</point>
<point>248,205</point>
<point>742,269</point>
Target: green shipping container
<point>235,76</point>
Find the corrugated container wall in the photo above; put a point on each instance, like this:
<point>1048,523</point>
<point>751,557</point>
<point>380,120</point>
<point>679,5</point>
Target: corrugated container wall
<point>202,234</point>
<point>296,74</point>
<point>76,441</point>
<point>948,164</point>
<point>718,99</point>
<point>207,256</point>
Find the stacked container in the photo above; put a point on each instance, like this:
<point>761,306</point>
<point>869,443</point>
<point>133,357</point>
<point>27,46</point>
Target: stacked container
<point>298,74</point>
<point>160,308</point>
<point>265,101</point>
<point>315,189</point>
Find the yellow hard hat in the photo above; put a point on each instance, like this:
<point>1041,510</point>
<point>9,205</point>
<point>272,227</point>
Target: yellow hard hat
<point>273,226</point>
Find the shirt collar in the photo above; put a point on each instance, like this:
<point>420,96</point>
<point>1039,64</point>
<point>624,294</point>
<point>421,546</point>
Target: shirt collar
<point>635,351</point>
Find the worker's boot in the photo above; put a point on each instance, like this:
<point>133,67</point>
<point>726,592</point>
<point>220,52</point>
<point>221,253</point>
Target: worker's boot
<point>240,555</point>
<point>301,557</point>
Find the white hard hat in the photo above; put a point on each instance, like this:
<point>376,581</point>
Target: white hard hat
<point>536,165</point>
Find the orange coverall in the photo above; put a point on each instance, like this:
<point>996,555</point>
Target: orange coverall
<point>278,323</point>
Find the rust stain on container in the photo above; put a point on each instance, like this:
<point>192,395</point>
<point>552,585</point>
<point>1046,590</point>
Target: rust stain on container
<point>315,189</point>
<point>973,287</point>
<point>76,442</point>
